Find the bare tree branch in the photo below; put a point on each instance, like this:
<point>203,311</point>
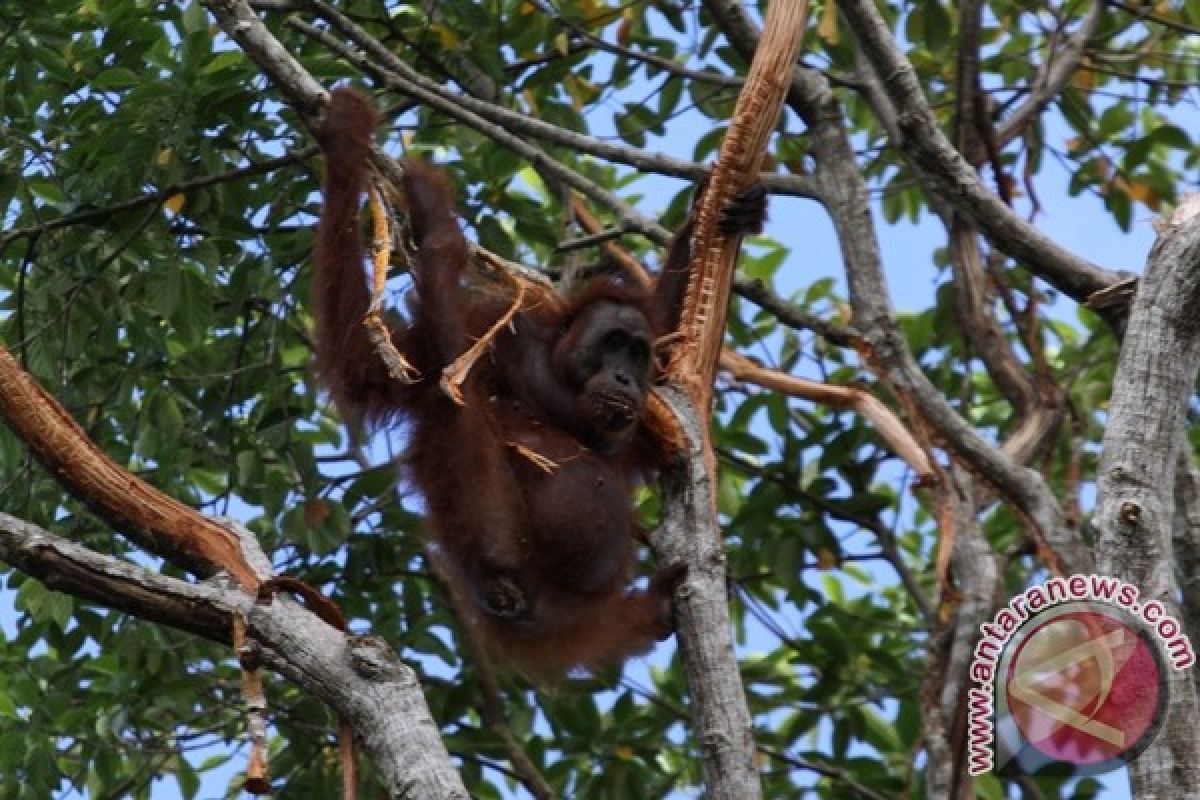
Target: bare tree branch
<point>396,75</point>
<point>359,677</point>
<point>380,62</point>
<point>889,426</point>
<point>690,534</point>
<point>714,255</point>
<point>74,569</point>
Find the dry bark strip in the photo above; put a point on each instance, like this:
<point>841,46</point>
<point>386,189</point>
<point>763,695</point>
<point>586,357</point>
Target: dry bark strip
<point>714,255</point>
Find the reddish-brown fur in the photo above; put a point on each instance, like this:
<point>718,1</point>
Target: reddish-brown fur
<point>539,561</point>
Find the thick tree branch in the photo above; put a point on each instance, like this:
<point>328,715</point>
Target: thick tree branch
<point>977,581</point>
<point>74,569</point>
<point>690,534</point>
<point>1135,510</point>
<point>1186,544</point>
<point>359,677</point>
<point>714,255</point>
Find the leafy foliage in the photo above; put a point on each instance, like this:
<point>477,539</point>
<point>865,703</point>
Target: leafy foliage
<point>158,205</point>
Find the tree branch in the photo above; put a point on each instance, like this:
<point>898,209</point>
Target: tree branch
<point>98,215</point>
<point>359,677</point>
<point>888,425</point>
<point>377,60</point>
<point>884,346</point>
<point>1055,71</point>
<point>1154,383</point>
<point>950,176</point>
<point>690,533</point>
<point>714,255</point>
<point>107,581</point>
<point>1186,544</point>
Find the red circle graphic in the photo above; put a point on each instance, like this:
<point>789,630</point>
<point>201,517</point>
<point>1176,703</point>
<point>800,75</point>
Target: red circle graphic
<point>1084,687</point>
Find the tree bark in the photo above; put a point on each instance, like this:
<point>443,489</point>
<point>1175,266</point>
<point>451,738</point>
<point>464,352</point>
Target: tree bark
<point>359,677</point>
<point>1154,384</point>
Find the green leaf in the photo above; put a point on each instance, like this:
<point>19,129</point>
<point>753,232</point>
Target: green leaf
<point>195,20</point>
<point>7,707</point>
<point>878,732</point>
<point>187,777</point>
<point>47,190</point>
<point>116,79</point>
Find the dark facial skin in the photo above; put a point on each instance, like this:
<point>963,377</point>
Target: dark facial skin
<point>606,356</point>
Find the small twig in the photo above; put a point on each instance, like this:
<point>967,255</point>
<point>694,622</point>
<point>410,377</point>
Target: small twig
<point>151,198</point>
<point>890,428</point>
<point>398,367</point>
<point>455,374</point>
<point>545,464</point>
<point>258,779</point>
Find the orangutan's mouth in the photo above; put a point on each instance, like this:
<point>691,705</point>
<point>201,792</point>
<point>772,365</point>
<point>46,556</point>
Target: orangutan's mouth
<point>616,411</point>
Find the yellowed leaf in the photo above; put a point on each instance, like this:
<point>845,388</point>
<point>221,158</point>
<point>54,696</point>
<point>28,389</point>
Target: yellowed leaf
<point>579,89</point>
<point>531,99</point>
<point>175,202</point>
<point>447,36</point>
<point>1084,79</point>
<point>625,31</point>
<point>827,28</point>
<point>1139,191</point>
<point>164,157</point>
<point>845,313</point>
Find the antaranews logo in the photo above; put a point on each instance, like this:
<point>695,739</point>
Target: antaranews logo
<point>1072,674</point>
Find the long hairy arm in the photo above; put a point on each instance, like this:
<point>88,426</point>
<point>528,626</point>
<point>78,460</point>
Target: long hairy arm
<point>346,360</point>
